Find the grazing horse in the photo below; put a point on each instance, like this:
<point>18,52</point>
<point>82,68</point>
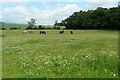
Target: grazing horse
<point>42,32</point>
<point>71,32</point>
<point>61,31</point>
<point>27,31</point>
<point>30,31</point>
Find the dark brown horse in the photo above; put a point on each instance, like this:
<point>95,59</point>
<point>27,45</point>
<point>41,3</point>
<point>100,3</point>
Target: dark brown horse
<point>71,32</point>
<point>42,32</point>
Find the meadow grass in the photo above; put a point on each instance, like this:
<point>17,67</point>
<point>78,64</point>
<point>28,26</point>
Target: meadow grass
<point>84,54</point>
<point>0,54</point>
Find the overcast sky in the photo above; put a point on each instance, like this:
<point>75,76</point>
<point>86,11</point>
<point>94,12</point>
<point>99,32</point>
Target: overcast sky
<point>48,11</point>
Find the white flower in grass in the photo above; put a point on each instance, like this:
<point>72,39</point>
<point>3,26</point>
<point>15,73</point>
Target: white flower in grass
<point>112,52</point>
<point>63,64</point>
<point>83,76</point>
<point>86,56</point>
<point>21,67</point>
<point>35,59</point>
<point>80,74</point>
<point>94,59</point>
<point>59,62</point>
<point>39,60</point>
<point>72,58</point>
<point>105,70</point>
<point>69,63</point>
<point>114,75</point>
<point>37,73</point>
<point>46,62</point>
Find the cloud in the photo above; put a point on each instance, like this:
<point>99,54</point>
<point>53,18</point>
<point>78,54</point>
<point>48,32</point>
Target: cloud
<point>50,16</point>
<point>0,18</point>
<point>40,0</point>
<point>94,5</point>
<point>59,0</point>
<point>47,15</point>
<point>15,14</point>
<point>102,0</point>
<point>66,10</point>
<point>22,14</point>
<point>14,1</point>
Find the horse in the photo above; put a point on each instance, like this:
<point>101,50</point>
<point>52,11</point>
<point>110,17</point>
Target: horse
<point>61,31</point>
<point>27,31</point>
<point>30,31</point>
<point>42,32</point>
<point>71,32</point>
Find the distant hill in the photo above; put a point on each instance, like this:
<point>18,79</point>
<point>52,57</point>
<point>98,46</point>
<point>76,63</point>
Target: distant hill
<point>11,25</point>
<point>7,26</point>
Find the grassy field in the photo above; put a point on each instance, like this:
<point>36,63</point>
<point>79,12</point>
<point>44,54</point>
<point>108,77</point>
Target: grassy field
<point>0,54</point>
<point>84,54</point>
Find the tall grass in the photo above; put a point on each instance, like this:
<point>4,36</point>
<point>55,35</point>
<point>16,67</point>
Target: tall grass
<point>84,54</point>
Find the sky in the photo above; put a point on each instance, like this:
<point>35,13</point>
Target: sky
<point>46,12</point>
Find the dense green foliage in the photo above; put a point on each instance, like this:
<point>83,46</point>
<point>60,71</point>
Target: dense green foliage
<point>101,18</point>
<point>84,54</point>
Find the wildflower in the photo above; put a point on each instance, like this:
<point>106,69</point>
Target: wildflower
<point>46,62</point>
<point>37,74</point>
<point>34,59</point>
<point>105,70</point>
<point>80,74</point>
<point>114,75</point>
<point>86,56</point>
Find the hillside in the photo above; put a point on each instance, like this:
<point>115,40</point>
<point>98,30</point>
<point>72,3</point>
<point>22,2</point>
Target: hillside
<point>11,25</point>
<point>24,26</point>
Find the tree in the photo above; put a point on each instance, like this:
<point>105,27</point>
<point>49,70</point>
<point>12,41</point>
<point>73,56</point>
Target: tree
<point>101,18</point>
<point>119,4</point>
<point>41,27</point>
<point>55,23</point>
<point>1,24</point>
<point>19,27</point>
<point>31,23</point>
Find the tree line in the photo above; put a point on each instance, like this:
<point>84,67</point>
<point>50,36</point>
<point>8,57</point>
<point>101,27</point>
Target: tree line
<point>32,23</point>
<point>101,18</point>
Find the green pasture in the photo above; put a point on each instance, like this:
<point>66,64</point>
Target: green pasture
<point>84,54</point>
